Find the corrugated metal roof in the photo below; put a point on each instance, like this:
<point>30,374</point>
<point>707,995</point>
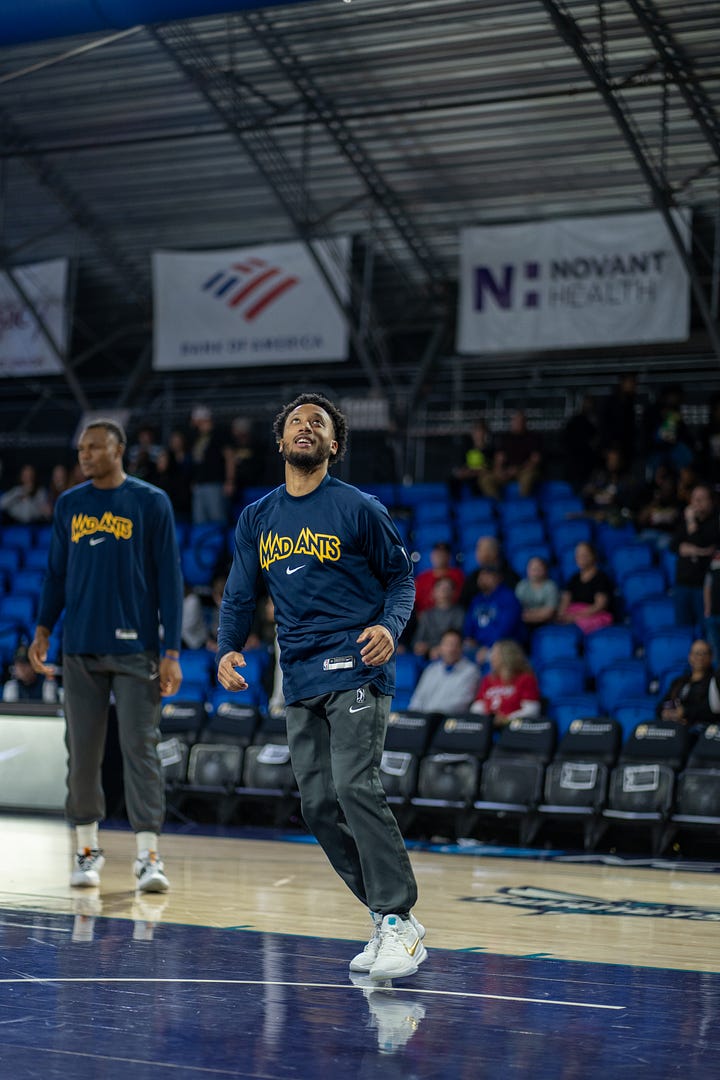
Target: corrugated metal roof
<point>470,111</point>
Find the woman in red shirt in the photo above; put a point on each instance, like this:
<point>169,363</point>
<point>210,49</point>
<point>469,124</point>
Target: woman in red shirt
<point>510,689</point>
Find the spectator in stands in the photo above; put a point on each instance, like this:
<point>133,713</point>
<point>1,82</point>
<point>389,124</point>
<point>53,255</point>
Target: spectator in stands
<point>444,614</point>
<point>709,444</point>
<point>244,465</point>
<point>487,553</point>
<point>208,469</point>
<point>175,482</point>
<point>447,685</point>
<point>669,439</point>
<point>660,509</point>
<point>693,698</point>
<point>587,597</point>
<point>518,458</point>
<point>25,684</point>
<point>59,482</point>
<point>440,560</point>
<point>510,688</point>
<point>582,443</point>
<point>194,629</point>
<point>711,605</point>
<point>27,502</point>
<point>695,540</point>
<point>618,425</point>
<point>538,594</point>
<point>474,472</point>
<point>495,613</point>
<point>608,493</point>
<point>143,454</point>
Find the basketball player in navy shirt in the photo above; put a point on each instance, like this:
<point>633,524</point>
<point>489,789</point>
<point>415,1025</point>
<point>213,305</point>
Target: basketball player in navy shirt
<point>341,582</point>
<point>114,568</point>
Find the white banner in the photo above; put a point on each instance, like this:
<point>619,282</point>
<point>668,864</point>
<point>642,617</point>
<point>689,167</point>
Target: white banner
<point>615,280</point>
<point>24,349</point>
<point>260,305</point>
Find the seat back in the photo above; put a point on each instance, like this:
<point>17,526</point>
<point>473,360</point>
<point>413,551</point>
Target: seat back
<point>527,738</point>
<point>466,734</point>
<point>231,721</point>
<point>661,741</point>
<point>576,783</point>
<point>173,752</point>
<point>398,773</point>
<point>705,753</point>
<point>448,777</point>
<point>512,782</point>
<point>215,765</point>
<point>556,641</point>
<point>698,793</point>
<point>409,730</point>
<point>563,676</point>
<point>605,646</point>
<point>268,768</point>
<point>623,679</point>
<point>591,739</point>
<point>667,649</point>
<point>641,788</point>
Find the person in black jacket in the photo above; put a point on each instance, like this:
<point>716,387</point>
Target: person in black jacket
<point>695,540</point>
<point>693,698</point>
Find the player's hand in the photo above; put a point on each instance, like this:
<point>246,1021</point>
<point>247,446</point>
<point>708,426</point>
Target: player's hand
<point>379,648</point>
<point>170,676</point>
<point>227,675</point>
<point>37,653</point>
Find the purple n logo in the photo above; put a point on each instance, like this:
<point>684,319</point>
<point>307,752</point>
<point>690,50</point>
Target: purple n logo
<point>501,288</point>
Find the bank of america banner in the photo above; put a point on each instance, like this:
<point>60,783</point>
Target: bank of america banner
<point>24,348</point>
<point>579,282</point>
<point>259,305</point>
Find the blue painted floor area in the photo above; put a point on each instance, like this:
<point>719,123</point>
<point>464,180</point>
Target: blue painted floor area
<point>88,998</point>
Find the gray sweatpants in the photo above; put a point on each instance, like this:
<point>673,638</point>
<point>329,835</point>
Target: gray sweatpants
<point>336,742</point>
<point>87,684</point>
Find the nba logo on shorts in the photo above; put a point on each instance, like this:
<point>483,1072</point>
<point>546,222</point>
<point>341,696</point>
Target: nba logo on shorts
<point>360,696</point>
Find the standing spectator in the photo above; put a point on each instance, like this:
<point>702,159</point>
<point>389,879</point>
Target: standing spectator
<point>440,559</point>
<point>243,461</point>
<point>341,582</point>
<point>538,594</point>
<point>448,684</point>
<point>488,552</point>
<point>27,502</point>
<point>609,492</point>
<point>175,482</point>
<point>618,424</point>
<point>709,451</point>
<point>669,439</point>
<point>143,455</point>
<point>518,458</point>
<point>444,614</point>
<point>59,482</point>
<point>711,605</point>
<point>510,689</point>
<point>495,613</point>
<point>25,684</point>
<point>695,540</point>
<point>659,512</point>
<point>587,597</point>
<point>582,443</point>
<point>208,468</point>
<point>114,568</point>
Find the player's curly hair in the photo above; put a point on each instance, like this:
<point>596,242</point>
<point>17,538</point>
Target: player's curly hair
<point>111,426</point>
<point>338,420</point>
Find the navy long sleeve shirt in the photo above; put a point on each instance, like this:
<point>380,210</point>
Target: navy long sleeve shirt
<point>333,563</point>
<point>114,567</point>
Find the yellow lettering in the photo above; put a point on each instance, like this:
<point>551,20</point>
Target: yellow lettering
<point>85,525</point>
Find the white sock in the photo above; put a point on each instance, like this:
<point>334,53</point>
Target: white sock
<point>146,841</point>
<point>86,836</point>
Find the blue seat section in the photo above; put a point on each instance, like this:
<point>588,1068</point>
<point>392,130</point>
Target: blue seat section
<point>563,509</point>
<point>641,584</point>
<point>20,611</point>
<point>550,491</point>
<point>254,492</point>
<point>555,641</point>
<point>438,532</point>
<point>651,614</point>
<point>564,535</point>
<point>197,666</point>
<point>667,649</point>
<point>513,511</point>
<point>569,707</point>
<point>430,512</point>
<point>42,535</point>
<point>413,494</point>
<point>519,557</point>
<point>565,675</point>
<point>624,679</point>
<point>27,583</point>
<point>189,691</point>
<point>9,560</point>
<point>608,537</point>
<point>668,564</point>
<point>635,710</point>
<point>385,493</point>
<point>20,537</point>
<point>468,535</point>
<point>9,638</point>
<point>627,558</point>
<point>566,564</point>
<point>606,646</point>
<point>667,677</point>
<point>407,673</point>
<point>36,559</point>
<point>524,533</point>
<point>474,511</point>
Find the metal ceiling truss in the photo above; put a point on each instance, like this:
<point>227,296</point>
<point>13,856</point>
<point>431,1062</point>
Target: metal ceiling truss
<point>595,64</point>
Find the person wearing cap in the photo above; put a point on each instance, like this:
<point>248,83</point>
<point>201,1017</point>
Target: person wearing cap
<point>494,614</point>
<point>114,567</point>
<point>26,684</point>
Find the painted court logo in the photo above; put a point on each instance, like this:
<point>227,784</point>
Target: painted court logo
<point>250,286</point>
<point>550,902</point>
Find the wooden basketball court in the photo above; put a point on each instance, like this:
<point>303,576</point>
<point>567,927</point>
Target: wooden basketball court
<point>557,965</point>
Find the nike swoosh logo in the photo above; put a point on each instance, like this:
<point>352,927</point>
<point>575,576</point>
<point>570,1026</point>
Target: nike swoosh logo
<point>97,540</point>
<point>414,948</point>
<point>293,569</point>
<point>360,709</point>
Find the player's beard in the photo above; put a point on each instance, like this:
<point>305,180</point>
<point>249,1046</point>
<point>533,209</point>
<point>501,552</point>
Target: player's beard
<point>307,461</point>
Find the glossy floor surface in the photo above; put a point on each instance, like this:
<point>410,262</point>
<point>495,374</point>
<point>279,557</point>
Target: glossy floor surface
<point>552,967</point>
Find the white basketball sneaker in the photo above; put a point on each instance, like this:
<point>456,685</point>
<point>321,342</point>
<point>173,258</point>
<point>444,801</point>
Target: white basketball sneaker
<point>401,949</point>
<point>149,871</point>
<point>365,959</point>
<point>86,868</point>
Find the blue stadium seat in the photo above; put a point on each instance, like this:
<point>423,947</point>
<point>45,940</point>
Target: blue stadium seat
<point>566,564</point>
<point>36,559</point>
<point>628,558</point>
<point>554,642</point>
<point>469,534</point>
<point>562,509</point>
<point>653,613</point>
<point>606,646</point>
<point>524,533</point>
<point>385,493</point>
<point>437,532</point>
<point>8,642</point>
<point>19,610</point>
<point>430,512</point>
<point>518,557</point>
<point>512,511</point>
<point>626,678</point>
<point>473,511</point>
<point>27,583</point>
<point>608,537</point>
<point>19,537</point>
<point>635,710</point>
<point>561,677</point>
<point>551,491</point>
<point>407,673</point>
<point>42,535</point>
<point>564,535</point>
<point>668,563</point>
<point>640,585</point>
<point>9,560</point>
<point>569,707</point>
<point>196,569</point>
<point>413,494</point>
<point>667,650</point>
<point>197,666</point>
